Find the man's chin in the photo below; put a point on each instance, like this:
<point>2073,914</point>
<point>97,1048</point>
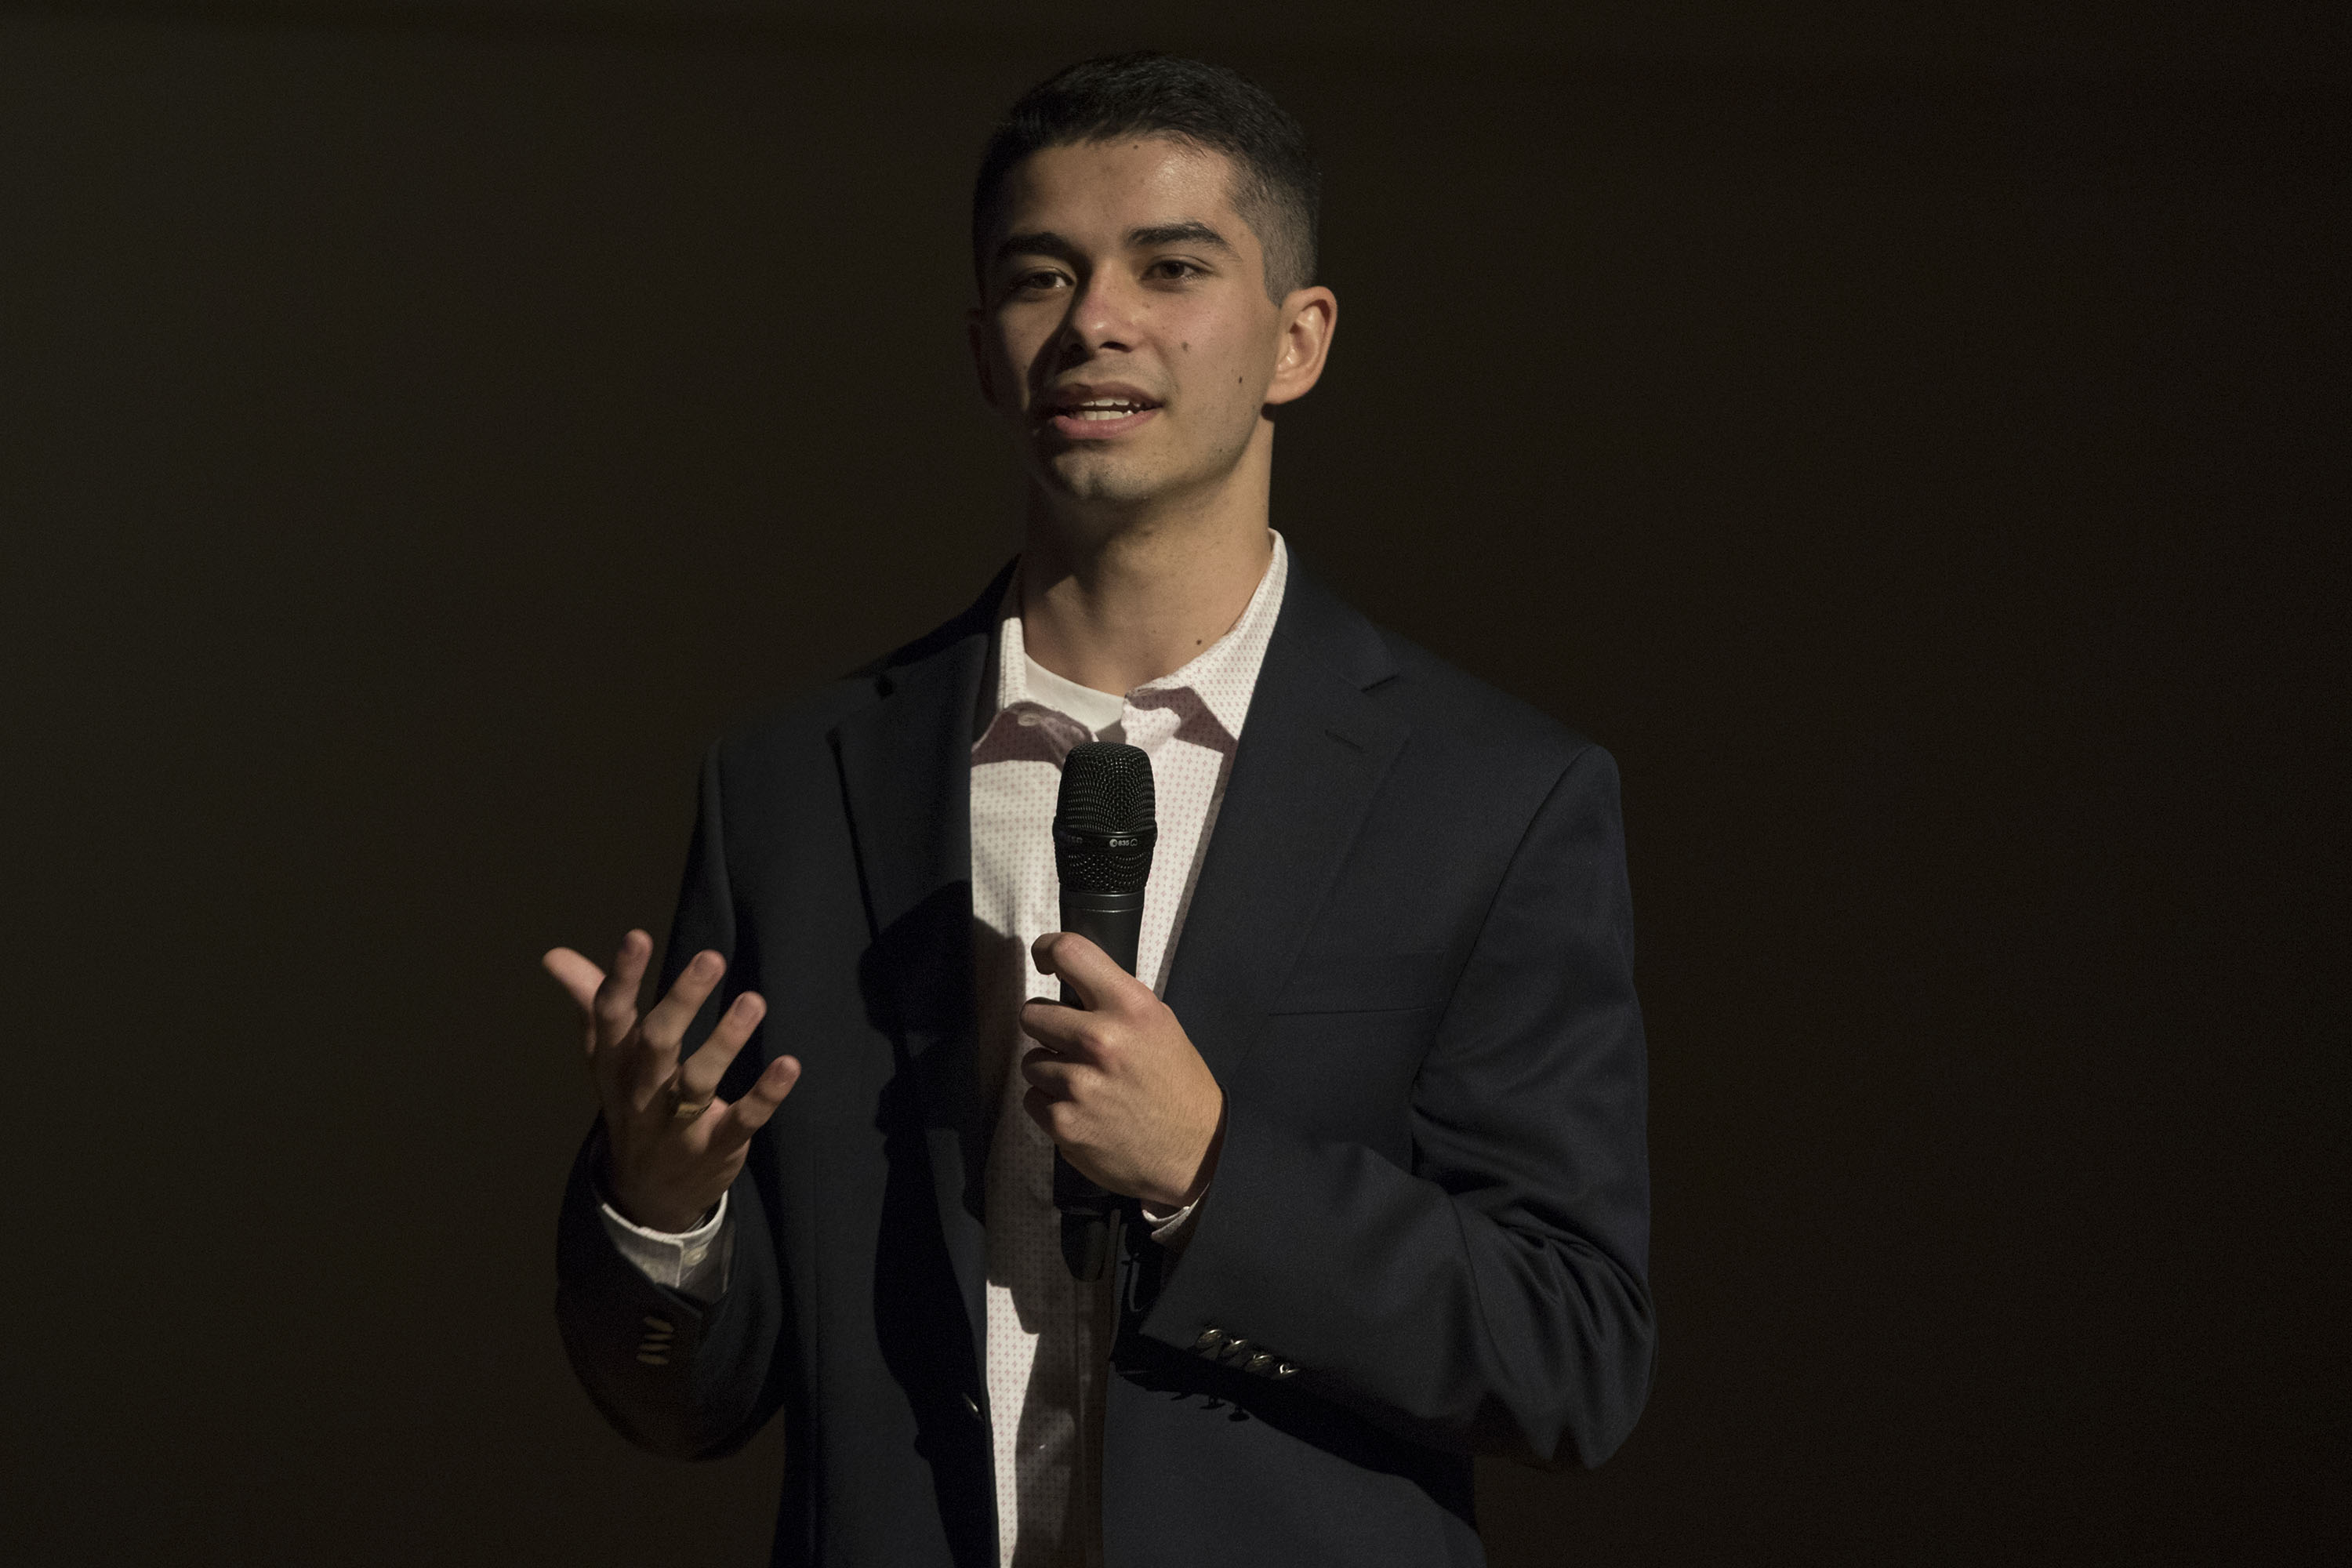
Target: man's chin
<point>1101,480</point>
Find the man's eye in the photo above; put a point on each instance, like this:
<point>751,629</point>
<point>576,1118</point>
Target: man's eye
<point>1033,281</point>
<point>1179,270</point>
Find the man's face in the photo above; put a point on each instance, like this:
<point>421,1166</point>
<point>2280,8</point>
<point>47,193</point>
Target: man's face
<point>1125,332</point>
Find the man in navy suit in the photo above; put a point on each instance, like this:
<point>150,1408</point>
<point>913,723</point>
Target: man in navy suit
<point>1377,1101</point>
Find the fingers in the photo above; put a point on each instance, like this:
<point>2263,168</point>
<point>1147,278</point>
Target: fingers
<point>1067,1031</point>
<point>1122,1013</point>
<point>1055,1119</point>
<point>698,1078</point>
<point>614,1005</point>
<point>1087,970</point>
<point>665,1025</point>
<point>748,1115</point>
<point>1052,1074</point>
<point>653,1061</point>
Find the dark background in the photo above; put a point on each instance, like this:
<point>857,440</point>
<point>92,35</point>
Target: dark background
<point>1910,438</point>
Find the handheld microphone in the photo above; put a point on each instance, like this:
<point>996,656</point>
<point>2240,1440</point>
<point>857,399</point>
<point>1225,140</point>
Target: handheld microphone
<point>1104,829</point>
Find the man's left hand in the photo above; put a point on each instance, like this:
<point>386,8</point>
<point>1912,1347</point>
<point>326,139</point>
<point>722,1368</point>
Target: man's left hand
<point>1116,1083</point>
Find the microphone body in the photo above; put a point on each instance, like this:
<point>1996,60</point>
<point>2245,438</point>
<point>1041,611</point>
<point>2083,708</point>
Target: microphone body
<point>1112,921</point>
<point>1104,831</point>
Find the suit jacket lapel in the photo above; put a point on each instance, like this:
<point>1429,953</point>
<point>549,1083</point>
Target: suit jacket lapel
<point>906,774</point>
<point>1313,753</point>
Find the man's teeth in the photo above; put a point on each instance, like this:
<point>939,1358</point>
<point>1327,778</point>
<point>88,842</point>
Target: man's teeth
<point>1105,410</point>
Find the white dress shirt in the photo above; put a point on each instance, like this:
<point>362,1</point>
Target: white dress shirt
<point>1047,1334</point>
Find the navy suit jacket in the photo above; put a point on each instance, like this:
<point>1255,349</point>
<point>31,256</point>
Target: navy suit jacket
<point>1409,962</point>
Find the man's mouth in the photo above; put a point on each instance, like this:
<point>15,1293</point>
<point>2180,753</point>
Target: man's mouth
<point>1095,413</point>
<point>1106,408</point>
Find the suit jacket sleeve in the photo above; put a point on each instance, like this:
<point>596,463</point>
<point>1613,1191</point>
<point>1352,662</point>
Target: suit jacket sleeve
<point>685,1378</point>
<point>1491,1298</point>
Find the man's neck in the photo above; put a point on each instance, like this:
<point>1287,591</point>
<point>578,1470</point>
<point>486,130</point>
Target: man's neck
<point>1113,608</point>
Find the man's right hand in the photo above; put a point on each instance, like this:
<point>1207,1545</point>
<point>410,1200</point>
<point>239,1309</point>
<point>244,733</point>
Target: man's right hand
<point>668,1167</point>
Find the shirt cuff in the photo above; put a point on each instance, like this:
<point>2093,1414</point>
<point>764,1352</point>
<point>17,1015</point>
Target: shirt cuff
<point>692,1262</point>
<point>1173,1229</point>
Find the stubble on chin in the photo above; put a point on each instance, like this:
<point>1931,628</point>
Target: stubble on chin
<point>1102,479</point>
<point>1128,480</point>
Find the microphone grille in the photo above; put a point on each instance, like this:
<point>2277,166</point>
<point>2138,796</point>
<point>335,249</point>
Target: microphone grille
<point>1105,824</point>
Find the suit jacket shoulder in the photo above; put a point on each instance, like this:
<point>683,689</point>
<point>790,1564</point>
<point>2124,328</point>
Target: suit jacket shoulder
<point>805,719</point>
<point>1470,712</point>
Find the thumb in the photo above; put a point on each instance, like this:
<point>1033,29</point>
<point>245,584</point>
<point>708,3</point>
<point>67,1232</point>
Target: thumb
<point>576,974</point>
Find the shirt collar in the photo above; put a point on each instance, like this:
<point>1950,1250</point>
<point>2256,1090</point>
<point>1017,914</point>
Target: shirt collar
<point>1222,676</point>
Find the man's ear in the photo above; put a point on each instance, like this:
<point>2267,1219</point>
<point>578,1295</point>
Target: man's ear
<point>1309,318</point>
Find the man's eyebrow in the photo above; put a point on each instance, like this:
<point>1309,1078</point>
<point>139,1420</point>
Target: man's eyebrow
<point>1038,242</point>
<point>1045,242</point>
<point>1190,232</point>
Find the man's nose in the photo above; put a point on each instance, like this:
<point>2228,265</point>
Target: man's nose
<point>1102,318</point>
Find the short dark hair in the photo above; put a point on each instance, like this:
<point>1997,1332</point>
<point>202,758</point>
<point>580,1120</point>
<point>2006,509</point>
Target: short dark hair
<point>1278,190</point>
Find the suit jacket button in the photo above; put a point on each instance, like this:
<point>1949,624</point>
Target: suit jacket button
<point>1209,1341</point>
<point>1260,1360</point>
<point>1285,1370</point>
<point>972,1405</point>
